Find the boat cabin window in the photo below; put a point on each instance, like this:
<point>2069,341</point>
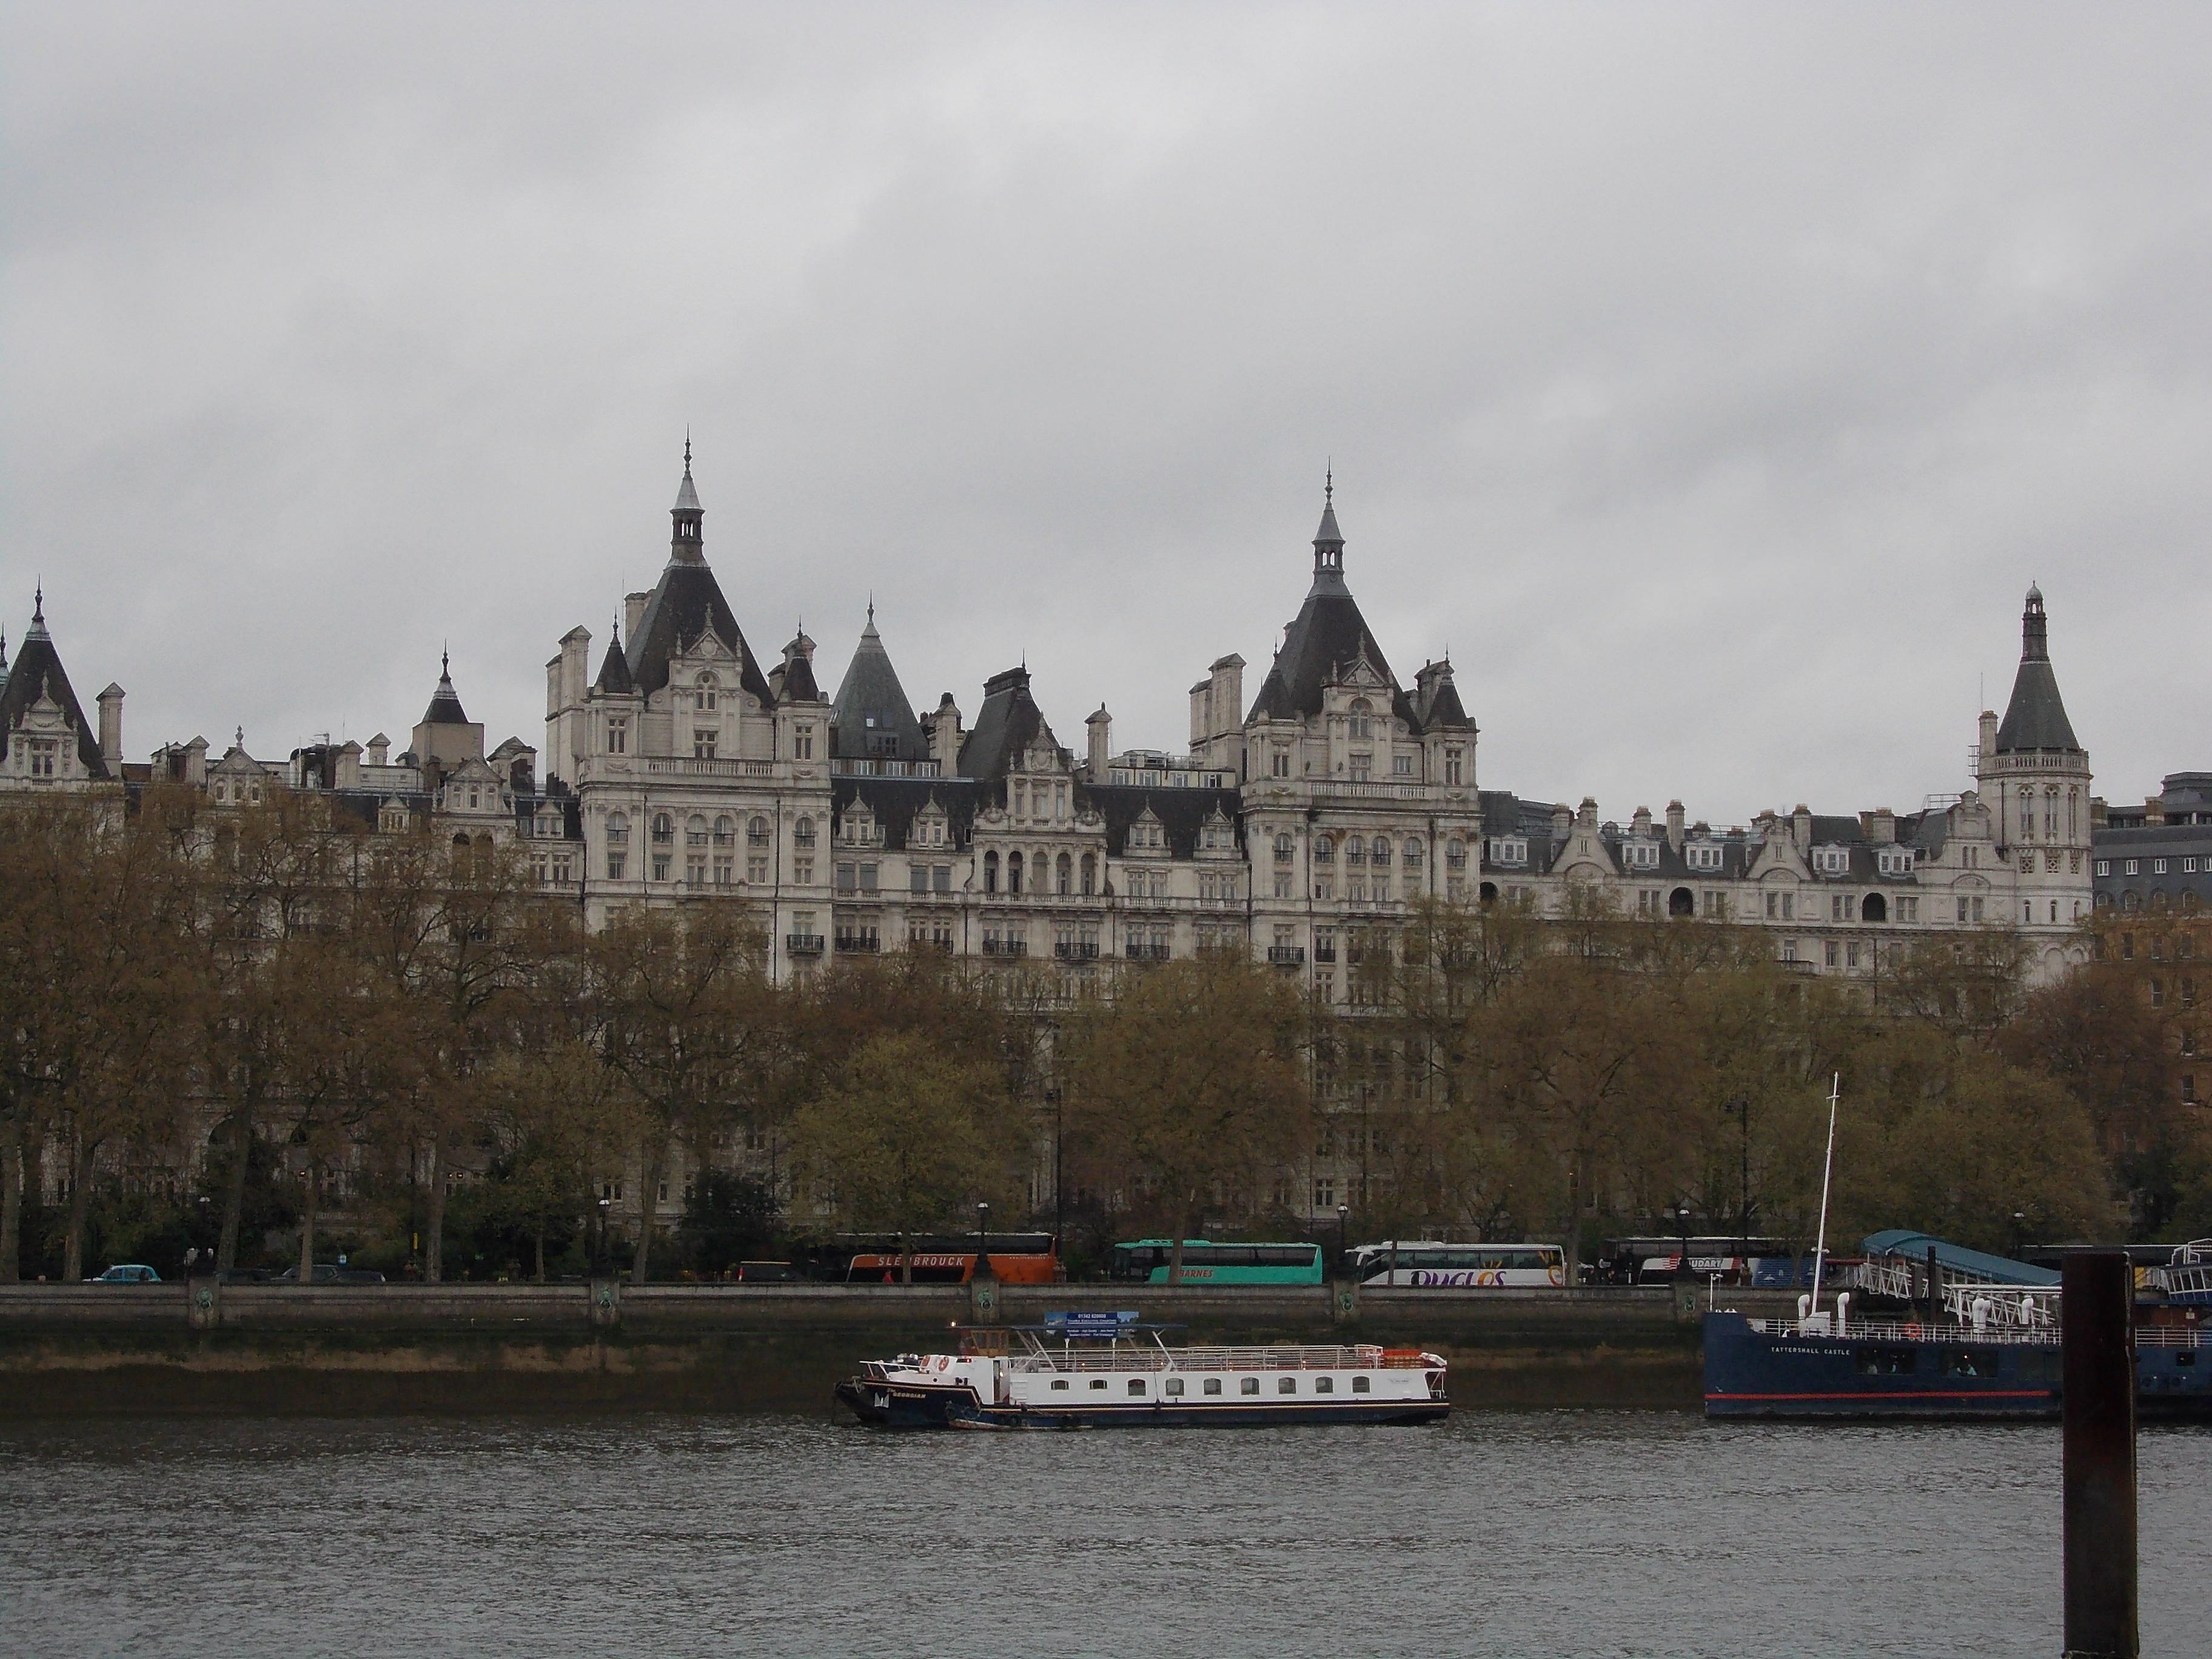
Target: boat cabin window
<point>1970,1362</point>
<point>1879,1360</point>
<point>1214,1385</point>
<point>1325,1385</point>
<point>1059,1382</point>
<point>1136,1385</point>
<point>1249,1385</point>
<point>1359,1385</point>
<point>1099,1383</point>
<point>1286,1385</point>
<point>1173,1385</point>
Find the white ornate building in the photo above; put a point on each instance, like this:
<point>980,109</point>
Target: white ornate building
<point>690,770</point>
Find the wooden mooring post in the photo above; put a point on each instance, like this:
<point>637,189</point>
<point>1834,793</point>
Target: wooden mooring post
<point>2097,1308</point>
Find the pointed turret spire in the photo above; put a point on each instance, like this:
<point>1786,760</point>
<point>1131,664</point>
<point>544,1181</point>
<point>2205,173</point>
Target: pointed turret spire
<point>2036,716</point>
<point>37,631</point>
<point>1329,540</point>
<point>685,542</point>
<point>445,707</point>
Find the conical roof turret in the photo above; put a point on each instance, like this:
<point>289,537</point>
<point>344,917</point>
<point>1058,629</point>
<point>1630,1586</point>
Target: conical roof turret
<point>2036,716</point>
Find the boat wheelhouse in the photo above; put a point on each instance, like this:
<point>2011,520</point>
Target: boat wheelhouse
<point>1107,1370</point>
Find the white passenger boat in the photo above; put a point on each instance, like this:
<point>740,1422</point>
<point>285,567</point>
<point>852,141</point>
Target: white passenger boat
<point>1105,1370</point>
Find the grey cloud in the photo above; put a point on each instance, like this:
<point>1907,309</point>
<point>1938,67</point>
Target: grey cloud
<point>1710,381</point>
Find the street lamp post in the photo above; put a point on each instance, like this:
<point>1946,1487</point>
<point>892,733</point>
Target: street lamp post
<point>982,1241</point>
<point>1682,1268</point>
<point>1343,1215</point>
<point>1740,1108</point>
<point>604,1204</point>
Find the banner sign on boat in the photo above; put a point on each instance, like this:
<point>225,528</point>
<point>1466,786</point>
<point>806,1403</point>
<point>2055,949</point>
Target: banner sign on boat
<point>1102,1325</point>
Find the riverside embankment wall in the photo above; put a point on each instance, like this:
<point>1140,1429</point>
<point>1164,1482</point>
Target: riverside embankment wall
<point>202,1347</point>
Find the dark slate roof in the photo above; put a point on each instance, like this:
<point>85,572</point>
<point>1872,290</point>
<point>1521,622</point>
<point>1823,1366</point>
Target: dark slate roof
<point>1326,636</point>
<point>1181,812</point>
<point>445,707</point>
<point>2036,716</point>
<point>1008,723</point>
<point>614,672</point>
<point>871,703</point>
<point>684,601</point>
<point>1435,702</point>
<point>798,684</point>
<point>39,670</point>
<point>896,802</point>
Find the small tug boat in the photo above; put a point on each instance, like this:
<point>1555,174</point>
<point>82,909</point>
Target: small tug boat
<point>1082,1370</point>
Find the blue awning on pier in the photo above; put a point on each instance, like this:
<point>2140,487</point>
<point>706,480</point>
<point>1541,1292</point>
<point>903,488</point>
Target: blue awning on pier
<point>1958,1259</point>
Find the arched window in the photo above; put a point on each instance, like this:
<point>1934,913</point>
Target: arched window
<point>1412,852</point>
<point>802,833</point>
<point>2131,901</point>
<point>1363,718</point>
<point>1455,853</point>
<point>1379,850</point>
<point>1089,873</point>
<point>990,873</point>
<point>664,828</point>
<point>1489,892</point>
<point>1355,849</point>
<point>709,689</point>
<point>1873,908</point>
<point>2159,901</point>
<point>1285,847</point>
<point>1681,902</point>
<point>725,831</point>
<point>757,831</point>
<point>617,827</point>
<point>2189,901</point>
<point>1064,873</point>
<point>1324,850</point>
<point>1013,872</point>
<point>695,830</point>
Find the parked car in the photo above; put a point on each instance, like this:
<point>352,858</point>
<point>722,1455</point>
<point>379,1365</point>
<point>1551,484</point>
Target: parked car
<point>127,1272</point>
<point>768,1273</point>
<point>329,1272</point>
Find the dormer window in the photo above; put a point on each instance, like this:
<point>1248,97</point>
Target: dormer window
<point>1703,855</point>
<point>1640,854</point>
<point>1509,849</point>
<point>709,689</point>
<point>1831,860</point>
<point>1894,861</point>
<point>1363,718</point>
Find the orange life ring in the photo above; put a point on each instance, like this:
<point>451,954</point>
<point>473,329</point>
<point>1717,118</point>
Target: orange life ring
<point>1912,1333</point>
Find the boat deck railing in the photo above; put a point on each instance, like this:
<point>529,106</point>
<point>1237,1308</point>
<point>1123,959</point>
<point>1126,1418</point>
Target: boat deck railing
<point>1324,1356</point>
<point>1906,1330</point>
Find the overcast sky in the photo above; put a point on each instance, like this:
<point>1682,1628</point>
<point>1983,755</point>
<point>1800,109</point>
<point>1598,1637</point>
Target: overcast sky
<point>1709,381</point>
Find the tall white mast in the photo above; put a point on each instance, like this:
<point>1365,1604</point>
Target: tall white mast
<point>1827,1165</point>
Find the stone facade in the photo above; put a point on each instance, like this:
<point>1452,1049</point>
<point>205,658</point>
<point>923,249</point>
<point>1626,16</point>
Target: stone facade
<point>690,769</point>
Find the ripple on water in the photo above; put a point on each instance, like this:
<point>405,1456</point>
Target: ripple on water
<point>1586,1533</point>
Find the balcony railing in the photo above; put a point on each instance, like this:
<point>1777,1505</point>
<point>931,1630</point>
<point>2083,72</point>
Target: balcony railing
<point>1076,951</point>
<point>1286,956</point>
<point>1005,947</point>
<point>1324,953</point>
<point>1138,950</point>
<point>858,942</point>
<point>803,944</point>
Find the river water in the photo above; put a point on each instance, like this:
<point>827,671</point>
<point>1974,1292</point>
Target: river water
<point>1580,1533</point>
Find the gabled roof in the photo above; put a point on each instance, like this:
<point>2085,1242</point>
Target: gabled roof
<point>38,672</point>
<point>684,602</point>
<point>1183,813</point>
<point>1327,636</point>
<point>895,803</point>
<point>445,707</point>
<point>1008,723</point>
<point>2036,717</point>
<point>871,703</point>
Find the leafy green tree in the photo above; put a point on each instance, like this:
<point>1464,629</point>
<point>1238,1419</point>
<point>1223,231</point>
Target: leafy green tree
<point>1190,1089</point>
<point>908,1138</point>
